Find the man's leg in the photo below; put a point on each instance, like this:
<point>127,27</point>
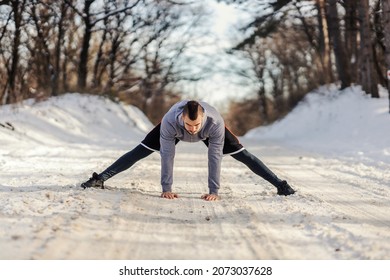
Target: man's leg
<point>121,164</point>
<point>150,144</point>
<point>257,166</point>
<point>125,162</point>
<point>233,147</point>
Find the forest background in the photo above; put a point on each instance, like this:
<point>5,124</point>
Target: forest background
<point>152,53</point>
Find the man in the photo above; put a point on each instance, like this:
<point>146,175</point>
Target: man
<point>190,121</point>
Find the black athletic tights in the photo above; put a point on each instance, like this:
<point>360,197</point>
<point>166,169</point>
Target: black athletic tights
<point>140,152</point>
<point>257,166</point>
<point>126,161</point>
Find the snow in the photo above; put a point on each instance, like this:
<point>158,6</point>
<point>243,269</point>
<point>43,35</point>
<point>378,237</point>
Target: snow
<point>349,123</point>
<point>333,148</point>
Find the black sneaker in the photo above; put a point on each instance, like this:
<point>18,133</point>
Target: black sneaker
<point>285,189</point>
<point>93,182</point>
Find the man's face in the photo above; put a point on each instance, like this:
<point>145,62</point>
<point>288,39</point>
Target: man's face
<point>193,126</point>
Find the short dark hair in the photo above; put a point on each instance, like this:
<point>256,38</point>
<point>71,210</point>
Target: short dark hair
<point>192,109</point>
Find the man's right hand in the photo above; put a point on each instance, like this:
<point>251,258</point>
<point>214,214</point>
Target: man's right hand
<point>169,195</point>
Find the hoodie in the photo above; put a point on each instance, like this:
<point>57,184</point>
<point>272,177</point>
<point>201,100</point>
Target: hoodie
<point>172,128</point>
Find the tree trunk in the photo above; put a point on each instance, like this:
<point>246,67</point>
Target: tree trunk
<point>323,43</point>
<point>386,31</point>
<point>99,57</point>
<point>17,8</point>
<point>58,49</point>
<point>83,62</point>
<point>368,77</point>
<point>338,47</point>
<point>115,43</point>
<point>351,37</point>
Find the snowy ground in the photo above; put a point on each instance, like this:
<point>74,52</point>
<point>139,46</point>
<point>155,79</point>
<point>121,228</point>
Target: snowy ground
<point>334,148</point>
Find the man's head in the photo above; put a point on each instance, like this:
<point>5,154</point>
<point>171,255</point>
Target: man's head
<point>192,117</point>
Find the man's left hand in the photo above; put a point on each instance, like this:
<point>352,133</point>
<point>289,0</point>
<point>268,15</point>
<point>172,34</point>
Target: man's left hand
<point>210,197</point>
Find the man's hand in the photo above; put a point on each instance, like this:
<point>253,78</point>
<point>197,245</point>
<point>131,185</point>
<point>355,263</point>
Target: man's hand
<point>169,195</point>
<point>210,197</point>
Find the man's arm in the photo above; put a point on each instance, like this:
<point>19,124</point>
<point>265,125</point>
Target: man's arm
<point>216,142</point>
<point>167,152</point>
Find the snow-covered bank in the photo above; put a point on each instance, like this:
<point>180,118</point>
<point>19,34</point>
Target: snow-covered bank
<point>348,123</point>
<point>339,212</point>
<point>71,118</point>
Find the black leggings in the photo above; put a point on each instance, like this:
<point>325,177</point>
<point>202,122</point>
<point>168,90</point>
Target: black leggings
<point>257,166</point>
<point>140,152</point>
<point>125,162</point>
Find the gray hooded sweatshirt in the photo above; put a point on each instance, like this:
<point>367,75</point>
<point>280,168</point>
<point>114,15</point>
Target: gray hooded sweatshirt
<point>172,128</point>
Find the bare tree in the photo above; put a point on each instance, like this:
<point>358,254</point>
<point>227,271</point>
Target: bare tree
<point>12,62</point>
<point>90,19</point>
<point>386,29</point>
<point>156,47</point>
<point>50,42</point>
<point>368,78</point>
<point>40,45</point>
<point>324,51</point>
<point>62,24</point>
<point>342,65</point>
<point>351,36</point>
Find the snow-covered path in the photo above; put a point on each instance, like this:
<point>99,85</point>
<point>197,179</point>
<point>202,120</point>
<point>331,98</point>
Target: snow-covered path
<point>336,214</point>
<point>340,210</point>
